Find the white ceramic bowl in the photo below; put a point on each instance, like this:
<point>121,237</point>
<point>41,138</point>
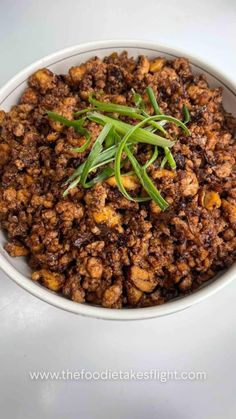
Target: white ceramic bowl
<point>60,62</point>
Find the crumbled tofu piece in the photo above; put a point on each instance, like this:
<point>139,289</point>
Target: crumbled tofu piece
<point>155,207</point>
<point>111,295</point>
<point>94,267</point>
<point>133,294</point>
<point>230,210</point>
<point>42,80</point>
<point>51,280</point>
<point>144,280</point>
<point>189,184</point>
<point>143,65</point>
<point>77,72</point>
<point>159,173</point>
<point>157,65</point>
<point>128,181</point>
<point>5,152</point>
<point>16,250</point>
<point>108,216</point>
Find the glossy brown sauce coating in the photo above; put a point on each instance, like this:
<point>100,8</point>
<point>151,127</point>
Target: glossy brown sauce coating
<point>94,245</point>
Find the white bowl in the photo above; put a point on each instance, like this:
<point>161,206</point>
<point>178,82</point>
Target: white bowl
<point>60,62</point>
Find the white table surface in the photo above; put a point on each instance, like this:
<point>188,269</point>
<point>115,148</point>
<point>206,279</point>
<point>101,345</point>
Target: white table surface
<point>35,336</point>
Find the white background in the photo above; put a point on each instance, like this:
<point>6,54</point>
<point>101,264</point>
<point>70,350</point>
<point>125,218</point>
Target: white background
<point>35,336</point>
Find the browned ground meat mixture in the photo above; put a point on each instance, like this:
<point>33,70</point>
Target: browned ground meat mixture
<point>94,245</point>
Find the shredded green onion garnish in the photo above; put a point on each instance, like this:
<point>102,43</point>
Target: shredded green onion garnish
<point>141,135</point>
<point>117,144</point>
<point>147,183</point>
<point>95,151</point>
<point>141,173</point>
<point>170,158</point>
<point>82,111</point>
<point>105,156</point>
<point>113,107</point>
<point>168,154</point>
<point>83,147</point>
<point>112,138</point>
<point>138,100</point>
<point>76,124</point>
<point>124,110</point>
<point>186,114</point>
<point>153,100</point>
<point>163,162</point>
<point>105,174</point>
<point>152,159</point>
<point>75,179</point>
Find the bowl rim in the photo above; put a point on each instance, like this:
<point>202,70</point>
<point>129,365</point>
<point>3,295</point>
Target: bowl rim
<point>97,311</point>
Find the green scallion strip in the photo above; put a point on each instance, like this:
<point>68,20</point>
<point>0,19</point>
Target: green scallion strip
<point>111,138</point>
<point>141,135</point>
<point>186,114</point>
<point>102,157</point>
<point>72,185</point>
<point>113,107</point>
<point>163,162</point>
<point>138,100</point>
<point>153,100</point>
<point>76,124</point>
<point>75,174</point>
<point>124,192</point>
<point>124,110</point>
<point>170,158</point>
<point>105,174</point>
<point>95,151</point>
<point>83,147</point>
<point>145,181</point>
<point>175,121</point>
<point>123,127</point>
<point>146,115</point>
<point>150,129</point>
<point>152,159</point>
<point>154,124</point>
<point>82,111</point>
<point>157,110</point>
<point>76,179</point>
